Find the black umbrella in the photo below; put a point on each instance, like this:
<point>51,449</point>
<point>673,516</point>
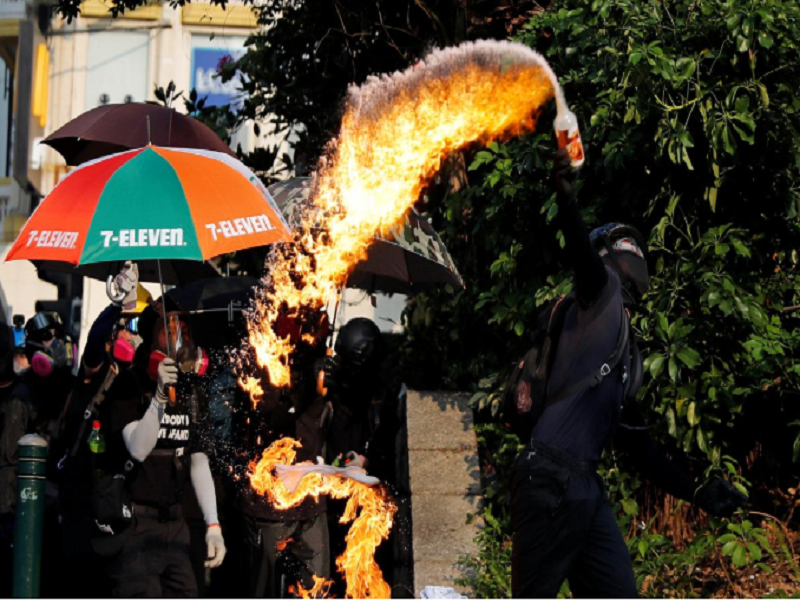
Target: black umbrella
<point>218,294</point>
<point>175,272</point>
<point>410,258</point>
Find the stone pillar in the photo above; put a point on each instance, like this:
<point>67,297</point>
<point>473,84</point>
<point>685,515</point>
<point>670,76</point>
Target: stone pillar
<point>444,480</point>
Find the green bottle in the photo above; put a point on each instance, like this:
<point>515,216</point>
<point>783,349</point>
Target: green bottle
<point>97,441</point>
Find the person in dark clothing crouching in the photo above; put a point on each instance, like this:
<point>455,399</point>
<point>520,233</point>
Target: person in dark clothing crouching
<point>364,391</point>
<point>564,527</point>
<point>156,440</point>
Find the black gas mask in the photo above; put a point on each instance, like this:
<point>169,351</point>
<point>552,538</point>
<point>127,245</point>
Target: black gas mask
<point>622,248</point>
<point>172,337</point>
<point>47,349</point>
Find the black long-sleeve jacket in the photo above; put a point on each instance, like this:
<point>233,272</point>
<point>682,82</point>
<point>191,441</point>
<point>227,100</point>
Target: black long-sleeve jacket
<point>584,424</point>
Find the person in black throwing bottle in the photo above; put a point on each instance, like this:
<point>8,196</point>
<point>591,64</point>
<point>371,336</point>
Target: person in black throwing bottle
<point>564,527</point>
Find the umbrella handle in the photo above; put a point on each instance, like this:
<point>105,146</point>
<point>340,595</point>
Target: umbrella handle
<point>119,296</point>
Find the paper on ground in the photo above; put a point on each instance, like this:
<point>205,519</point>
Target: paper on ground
<point>436,591</point>
<point>291,475</point>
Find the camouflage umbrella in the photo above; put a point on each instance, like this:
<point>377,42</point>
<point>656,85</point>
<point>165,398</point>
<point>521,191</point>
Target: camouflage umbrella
<point>409,259</point>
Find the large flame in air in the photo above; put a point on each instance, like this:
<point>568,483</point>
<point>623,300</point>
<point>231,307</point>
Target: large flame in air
<point>395,131</point>
<point>368,508</point>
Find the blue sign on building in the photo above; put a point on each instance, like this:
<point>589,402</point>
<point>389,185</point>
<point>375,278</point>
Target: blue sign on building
<point>206,66</point>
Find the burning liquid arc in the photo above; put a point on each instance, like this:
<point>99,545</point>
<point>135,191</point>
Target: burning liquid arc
<point>368,508</point>
<point>395,132</point>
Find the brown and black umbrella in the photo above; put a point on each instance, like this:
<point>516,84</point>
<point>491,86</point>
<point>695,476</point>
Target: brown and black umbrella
<point>119,127</point>
<point>410,258</point>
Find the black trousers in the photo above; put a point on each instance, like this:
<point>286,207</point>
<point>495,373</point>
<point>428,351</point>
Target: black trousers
<point>270,577</point>
<point>563,529</point>
<point>154,562</point>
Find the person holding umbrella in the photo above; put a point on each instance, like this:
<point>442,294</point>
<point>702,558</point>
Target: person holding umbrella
<point>164,208</point>
<point>157,440</point>
<point>109,348</point>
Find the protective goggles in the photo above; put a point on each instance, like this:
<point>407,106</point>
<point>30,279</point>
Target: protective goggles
<point>46,335</point>
<point>132,325</point>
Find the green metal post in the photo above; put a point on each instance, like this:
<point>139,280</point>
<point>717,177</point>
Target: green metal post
<point>29,521</point>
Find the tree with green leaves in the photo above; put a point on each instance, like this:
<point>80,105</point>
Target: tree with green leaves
<point>689,113</point>
<point>300,62</point>
<point>691,118</point>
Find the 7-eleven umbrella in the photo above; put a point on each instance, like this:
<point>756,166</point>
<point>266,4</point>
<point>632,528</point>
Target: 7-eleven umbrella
<point>152,203</point>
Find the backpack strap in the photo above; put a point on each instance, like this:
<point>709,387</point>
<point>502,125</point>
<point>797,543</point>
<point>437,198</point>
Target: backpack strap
<point>636,375</point>
<point>97,400</point>
<point>594,379</point>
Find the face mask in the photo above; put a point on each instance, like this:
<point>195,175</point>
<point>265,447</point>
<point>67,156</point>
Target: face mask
<point>633,275</point>
<point>197,364</point>
<point>59,355</point>
<point>123,351</point>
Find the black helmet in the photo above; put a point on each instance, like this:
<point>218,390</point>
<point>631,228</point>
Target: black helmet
<point>623,247</point>
<point>38,326</point>
<point>359,344</point>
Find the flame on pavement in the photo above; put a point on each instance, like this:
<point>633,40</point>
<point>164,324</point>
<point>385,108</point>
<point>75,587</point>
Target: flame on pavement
<point>369,509</point>
<point>320,589</point>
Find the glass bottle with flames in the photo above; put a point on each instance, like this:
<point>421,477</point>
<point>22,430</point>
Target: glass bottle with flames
<point>568,135</point>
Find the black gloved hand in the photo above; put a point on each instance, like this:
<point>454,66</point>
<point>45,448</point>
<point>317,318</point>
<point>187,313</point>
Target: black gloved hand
<point>564,177</point>
<point>719,498</point>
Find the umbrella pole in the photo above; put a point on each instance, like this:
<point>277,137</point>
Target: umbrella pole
<point>335,315</point>
<point>163,304</point>
<point>173,395</point>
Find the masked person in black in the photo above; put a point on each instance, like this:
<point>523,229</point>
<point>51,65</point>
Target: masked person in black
<point>14,411</point>
<point>49,380</point>
<point>564,527</point>
<point>13,422</point>
<point>35,400</point>
<point>363,390</point>
<point>284,547</point>
<point>110,347</point>
<point>155,441</point>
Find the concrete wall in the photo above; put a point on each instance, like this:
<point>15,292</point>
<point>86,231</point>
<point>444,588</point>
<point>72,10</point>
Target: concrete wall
<point>445,485</point>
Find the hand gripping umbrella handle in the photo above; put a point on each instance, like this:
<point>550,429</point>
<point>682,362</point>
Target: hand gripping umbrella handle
<point>119,296</point>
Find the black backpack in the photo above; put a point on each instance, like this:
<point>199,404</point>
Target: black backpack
<point>109,496</point>
<point>526,395</point>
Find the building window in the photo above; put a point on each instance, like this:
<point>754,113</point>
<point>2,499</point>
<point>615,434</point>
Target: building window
<point>117,67</point>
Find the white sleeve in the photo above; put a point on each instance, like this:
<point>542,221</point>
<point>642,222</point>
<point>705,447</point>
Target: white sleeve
<point>141,436</point>
<point>204,487</point>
